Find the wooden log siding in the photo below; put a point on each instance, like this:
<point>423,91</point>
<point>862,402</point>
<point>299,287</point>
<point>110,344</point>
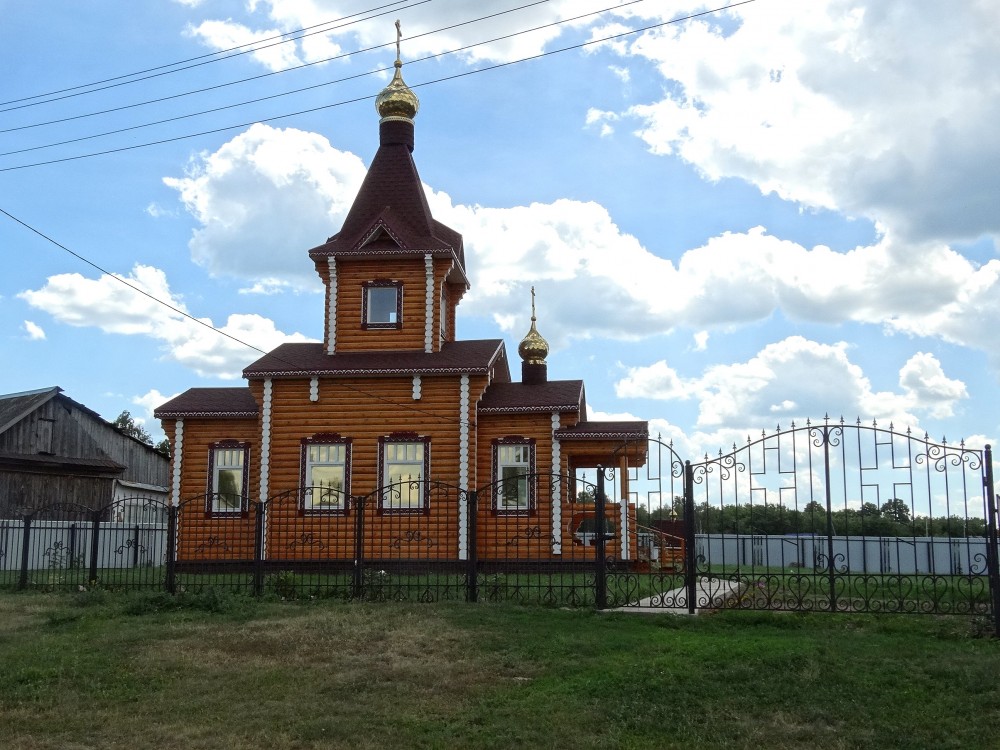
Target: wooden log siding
<point>516,536</point>
<point>351,335</point>
<point>198,536</point>
<point>346,407</point>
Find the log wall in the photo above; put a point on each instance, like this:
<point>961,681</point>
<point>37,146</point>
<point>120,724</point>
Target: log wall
<point>351,335</point>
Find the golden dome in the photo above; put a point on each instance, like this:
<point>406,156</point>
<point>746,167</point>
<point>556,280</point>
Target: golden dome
<point>533,348</point>
<point>396,101</point>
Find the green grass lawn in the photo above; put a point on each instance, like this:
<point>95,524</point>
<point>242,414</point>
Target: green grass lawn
<point>99,670</point>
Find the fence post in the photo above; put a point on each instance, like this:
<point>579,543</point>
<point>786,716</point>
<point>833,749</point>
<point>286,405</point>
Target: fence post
<point>832,571</point>
<point>359,546</point>
<point>258,549</point>
<point>992,550</point>
<point>171,551</point>
<point>601,568</point>
<point>472,565</point>
<point>95,532</point>
<point>690,574</point>
<point>22,582</point>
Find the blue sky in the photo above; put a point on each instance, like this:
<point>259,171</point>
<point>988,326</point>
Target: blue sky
<point>764,214</point>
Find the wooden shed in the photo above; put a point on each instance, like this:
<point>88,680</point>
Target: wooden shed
<point>56,450</point>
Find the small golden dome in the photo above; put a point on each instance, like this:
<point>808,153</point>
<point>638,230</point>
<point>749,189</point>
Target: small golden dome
<point>533,348</point>
<point>397,101</point>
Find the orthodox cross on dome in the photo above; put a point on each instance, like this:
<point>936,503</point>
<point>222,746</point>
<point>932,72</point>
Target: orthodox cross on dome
<point>533,348</point>
<point>396,101</point>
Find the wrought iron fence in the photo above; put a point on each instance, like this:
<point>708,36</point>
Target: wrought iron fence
<point>830,517</point>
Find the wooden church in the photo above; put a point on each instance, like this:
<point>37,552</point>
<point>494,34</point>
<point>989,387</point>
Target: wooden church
<point>391,416</point>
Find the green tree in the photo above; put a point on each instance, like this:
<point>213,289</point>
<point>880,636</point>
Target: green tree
<point>896,510</point>
<point>126,424</point>
<point>163,447</point>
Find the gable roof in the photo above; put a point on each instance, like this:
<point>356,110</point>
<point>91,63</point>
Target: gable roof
<point>209,402</point>
<point>16,406</point>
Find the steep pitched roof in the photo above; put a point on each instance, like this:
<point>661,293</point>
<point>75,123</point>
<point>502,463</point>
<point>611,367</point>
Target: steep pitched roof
<point>209,402</point>
<point>455,357</point>
<point>391,210</point>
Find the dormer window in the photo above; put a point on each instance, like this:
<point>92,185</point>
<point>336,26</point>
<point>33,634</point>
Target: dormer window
<point>382,304</point>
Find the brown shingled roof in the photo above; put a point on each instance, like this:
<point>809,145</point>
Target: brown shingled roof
<point>209,402</point>
<point>392,201</point>
<point>605,431</point>
<point>455,357</point>
<point>554,395</point>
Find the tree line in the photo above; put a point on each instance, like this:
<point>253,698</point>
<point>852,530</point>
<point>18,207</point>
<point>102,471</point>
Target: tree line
<point>892,518</point>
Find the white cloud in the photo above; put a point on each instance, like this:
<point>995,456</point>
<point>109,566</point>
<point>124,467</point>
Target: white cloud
<point>227,35</point>
<point>795,379</point>
<point>873,110</point>
<point>924,380</point>
<point>268,195</point>
<point>263,199</point>
<point>113,307</point>
<point>33,331</point>
<point>417,23</point>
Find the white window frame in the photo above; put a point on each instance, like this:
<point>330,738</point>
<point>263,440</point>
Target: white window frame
<point>232,457</point>
<point>514,462</point>
<point>325,451</point>
<point>372,288</point>
<point>404,463</point>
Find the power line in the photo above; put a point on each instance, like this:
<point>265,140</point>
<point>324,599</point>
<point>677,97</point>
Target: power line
<point>188,316</point>
<point>201,57</point>
<point>300,67</point>
<point>443,79</point>
<point>174,308</point>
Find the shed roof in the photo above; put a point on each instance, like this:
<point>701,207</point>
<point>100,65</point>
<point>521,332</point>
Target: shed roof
<point>209,402</point>
<point>620,430</point>
<point>514,398</point>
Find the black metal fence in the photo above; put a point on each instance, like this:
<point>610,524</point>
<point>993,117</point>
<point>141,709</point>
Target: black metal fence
<point>830,517</point>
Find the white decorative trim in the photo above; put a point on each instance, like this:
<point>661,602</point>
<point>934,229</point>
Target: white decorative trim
<point>463,466</point>
<point>331,301</point>
<point>175,497</point>
<point>428,303</point>
<point>624,529</point>
<point>265,440</point>
<point>314,389</point>
<point>416,387</point>
<point>556,488</point>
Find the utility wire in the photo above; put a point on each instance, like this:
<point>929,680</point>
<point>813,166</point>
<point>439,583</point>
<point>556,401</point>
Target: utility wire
<point>341,103</point>
<point>216,55</point>
<point>304,88</point>
<point>188,316</point>
<point>174,308</point>
<point>300,67</point>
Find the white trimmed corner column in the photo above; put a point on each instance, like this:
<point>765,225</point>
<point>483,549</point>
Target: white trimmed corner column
<point>331,306</point>
<point>265,440</point>
<point>463,467</point>
<point>556,488</point>
<point>429,303</point>
<point>175,490</point>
